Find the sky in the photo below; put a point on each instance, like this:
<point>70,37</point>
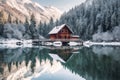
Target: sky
<point>63,5</point>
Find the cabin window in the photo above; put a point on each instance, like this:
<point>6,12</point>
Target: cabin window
<point>65,37</point>
<point>66,31</point>
<point>63,30</point>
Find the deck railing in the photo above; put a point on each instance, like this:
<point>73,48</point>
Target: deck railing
<point>52,40</point>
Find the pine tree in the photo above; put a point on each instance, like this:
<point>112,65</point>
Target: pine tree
<point>40,28</point>
<point>26,24</point>
<point>2,17</point>
<point>2,21</point>
<point>32,24</point>
<point>9,18</point>
<point>32,27</point>
<point>113,20</point>
<point>33,21</point>
<point>44,29</point>
<point>17,21</point>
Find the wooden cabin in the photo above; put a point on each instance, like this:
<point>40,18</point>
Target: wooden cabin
<point>62,32</point>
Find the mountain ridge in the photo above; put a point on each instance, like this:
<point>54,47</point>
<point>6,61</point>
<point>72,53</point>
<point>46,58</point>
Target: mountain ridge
<point>25,8</point>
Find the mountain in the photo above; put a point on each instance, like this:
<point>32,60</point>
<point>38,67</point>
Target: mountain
<point>94,19</point>
<point>25,8</point>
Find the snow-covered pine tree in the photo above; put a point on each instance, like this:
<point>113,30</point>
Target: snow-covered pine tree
<point>2,21</point>
<point>32,27</point>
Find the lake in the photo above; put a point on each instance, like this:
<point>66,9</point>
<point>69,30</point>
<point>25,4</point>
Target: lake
<point>60,63</point>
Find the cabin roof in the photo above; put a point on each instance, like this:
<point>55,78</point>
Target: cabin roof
<point>56,29</point>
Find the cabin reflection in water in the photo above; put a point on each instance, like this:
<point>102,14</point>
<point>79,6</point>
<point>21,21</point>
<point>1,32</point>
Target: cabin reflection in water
<point>65,53</point>
<point>31,63</point>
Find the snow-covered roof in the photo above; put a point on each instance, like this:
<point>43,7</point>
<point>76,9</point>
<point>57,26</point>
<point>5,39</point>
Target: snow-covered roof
<point>58,28</point>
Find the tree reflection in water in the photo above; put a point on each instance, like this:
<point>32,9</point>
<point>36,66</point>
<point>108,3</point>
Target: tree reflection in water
<point>94,66</point>
<point>95,63</point>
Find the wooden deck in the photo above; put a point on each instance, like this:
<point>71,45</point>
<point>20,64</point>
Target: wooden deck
<point>42,41</point>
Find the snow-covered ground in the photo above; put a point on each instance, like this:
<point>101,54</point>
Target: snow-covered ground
<point>14,43</point>
<point>90,43</point>
<point>73,43</point>
<point>113,35</point>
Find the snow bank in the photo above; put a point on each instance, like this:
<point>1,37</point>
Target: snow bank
<point>116,33</point>
<point>17,34</point>
<point>89,43</point>
<point>108,36</point>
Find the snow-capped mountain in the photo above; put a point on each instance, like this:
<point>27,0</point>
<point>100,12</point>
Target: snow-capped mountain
<point>24,8</point>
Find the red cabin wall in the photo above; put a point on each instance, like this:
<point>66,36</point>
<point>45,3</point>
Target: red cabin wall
<point>52,36</point>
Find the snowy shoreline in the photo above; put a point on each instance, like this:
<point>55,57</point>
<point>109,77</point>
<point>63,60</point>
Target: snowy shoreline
<point>15,43</point>
<point>90,43</point>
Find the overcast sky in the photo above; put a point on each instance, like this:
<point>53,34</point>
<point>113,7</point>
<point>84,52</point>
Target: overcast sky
<point>63,5</point>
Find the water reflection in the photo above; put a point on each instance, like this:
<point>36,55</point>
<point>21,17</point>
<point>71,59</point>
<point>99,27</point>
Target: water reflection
<point>95,65</point>
<point>108,51</point>
<point>74,63</point>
